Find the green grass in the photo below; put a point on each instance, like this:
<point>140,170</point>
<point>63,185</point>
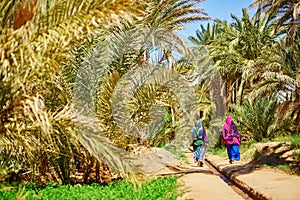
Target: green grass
<point>246,146</point>
<point>294,139</point>
<point>295,144</point>
<point>219,151</point>
<point>287,168</point>
<point>160,188</point>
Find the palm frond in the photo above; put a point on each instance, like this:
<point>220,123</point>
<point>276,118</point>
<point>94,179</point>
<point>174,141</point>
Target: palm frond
<point>173,14</point>
<point>256,118</point>
<point>285,79</point>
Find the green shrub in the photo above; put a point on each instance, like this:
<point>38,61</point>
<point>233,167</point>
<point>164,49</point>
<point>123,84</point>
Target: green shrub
<point>256,120</point>
<point>294,139</point>
<point>160,188</point>
<point>220,151</point>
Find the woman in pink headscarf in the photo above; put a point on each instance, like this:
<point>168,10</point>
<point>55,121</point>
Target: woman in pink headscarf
<point>231,139</point>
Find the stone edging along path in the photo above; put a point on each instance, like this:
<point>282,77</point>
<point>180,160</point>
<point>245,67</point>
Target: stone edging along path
<point>259,183</point>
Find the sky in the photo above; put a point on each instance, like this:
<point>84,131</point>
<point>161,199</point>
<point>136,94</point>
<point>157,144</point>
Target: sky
<point>220,9</point>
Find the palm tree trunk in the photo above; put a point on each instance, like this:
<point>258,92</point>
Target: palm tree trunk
<point>297,103</point>
<point>240,92</point>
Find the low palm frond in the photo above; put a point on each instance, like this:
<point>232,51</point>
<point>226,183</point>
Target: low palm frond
<point>256,119</point>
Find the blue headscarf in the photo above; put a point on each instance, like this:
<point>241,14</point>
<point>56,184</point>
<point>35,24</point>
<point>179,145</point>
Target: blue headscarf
<point>197,131</point>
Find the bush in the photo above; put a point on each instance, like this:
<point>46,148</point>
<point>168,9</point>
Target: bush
<point>256,120</point>
<point>160,188</point>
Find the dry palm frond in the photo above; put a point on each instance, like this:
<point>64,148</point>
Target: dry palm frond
<point>288,81</point>
<point>34,106</point>
<point>129,86</point>
<point>93,139</point>
<point>286,10</point>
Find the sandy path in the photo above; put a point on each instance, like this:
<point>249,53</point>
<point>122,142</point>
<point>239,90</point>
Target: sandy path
<point>205,183</point>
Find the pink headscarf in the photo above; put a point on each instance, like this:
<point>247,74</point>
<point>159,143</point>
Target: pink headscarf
<point>228,122</point>
<point>226,126</point>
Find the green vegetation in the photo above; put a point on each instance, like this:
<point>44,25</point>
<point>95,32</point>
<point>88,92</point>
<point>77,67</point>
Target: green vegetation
<point>257,58</point>
<point>245,146</point>
<point>220,151</point>
<point>179,154</point>
<point>256,119</point>
<point>287,168</point>
<point>48,47</point>
<point>160,188</point>
<point>293,139</point>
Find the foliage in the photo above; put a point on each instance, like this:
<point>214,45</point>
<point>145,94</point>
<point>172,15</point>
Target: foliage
<point>46,43</point>
<point>43,45</point>
<point>158,19</point>
<point>294,139</point>
<point>282,79</point>
<point>287,12</point>
<point>220,151</point>
<point>172,14</point>
<point>160,188</point>
<point>245,147</point>
<point>257,57</point>
<point>258,60</point>
<point>256,120</point>
<point>296,142</point>
<point>37,121</point>
<point>235,48</point>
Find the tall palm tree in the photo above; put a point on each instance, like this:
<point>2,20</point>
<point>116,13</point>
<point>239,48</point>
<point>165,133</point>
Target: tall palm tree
<point>160,19</point>
<point>288,12</point>
<point>236,48</point>
<point>35,108</point>
<point>282,78</point>
<point>284,75</point>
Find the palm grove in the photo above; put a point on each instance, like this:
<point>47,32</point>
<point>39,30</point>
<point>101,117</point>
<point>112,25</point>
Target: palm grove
<point>46,43</point>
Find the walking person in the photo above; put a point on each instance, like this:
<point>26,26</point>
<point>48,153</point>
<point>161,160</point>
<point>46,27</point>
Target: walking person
<point>200,142</point>
<point>231,139</point>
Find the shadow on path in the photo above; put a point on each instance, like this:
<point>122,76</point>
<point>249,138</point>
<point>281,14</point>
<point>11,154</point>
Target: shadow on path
<point>269,155</point>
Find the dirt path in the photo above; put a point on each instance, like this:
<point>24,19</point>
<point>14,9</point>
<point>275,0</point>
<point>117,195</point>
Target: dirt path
<point>206,183</point>
<point>262,182</point>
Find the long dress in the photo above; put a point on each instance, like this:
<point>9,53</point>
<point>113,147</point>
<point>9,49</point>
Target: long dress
<point>231,137</point>
<point>199,140</point>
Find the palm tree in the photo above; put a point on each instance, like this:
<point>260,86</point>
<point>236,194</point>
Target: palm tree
<point>39,71</point>
<point>36,115</point>
<point>236,48</point>
<point>288,12</point>
<point>161,17</point>
<point>283,75</point>
<point>205,36</point>
<point>256,118</point>
<point>282,78</point>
